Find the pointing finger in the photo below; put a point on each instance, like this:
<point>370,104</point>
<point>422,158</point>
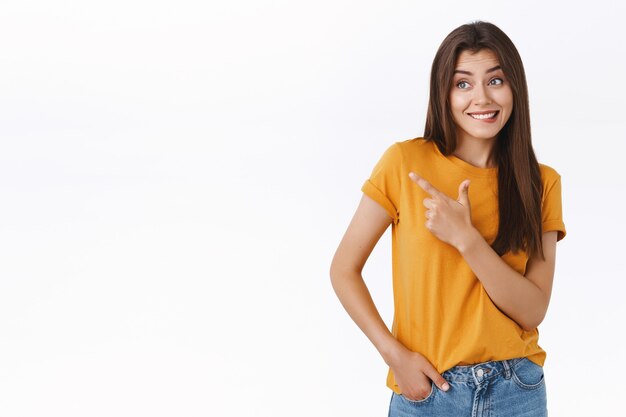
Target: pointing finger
<point>426,186</point>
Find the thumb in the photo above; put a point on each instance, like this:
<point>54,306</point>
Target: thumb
<point>439,380</point>
<point>463,194</point>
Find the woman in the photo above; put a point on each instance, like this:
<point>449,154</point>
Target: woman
<point>475,220</point>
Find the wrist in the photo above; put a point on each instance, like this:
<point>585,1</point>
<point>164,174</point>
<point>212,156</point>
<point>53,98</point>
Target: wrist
<point>468,240</point>
<point>391,350</point>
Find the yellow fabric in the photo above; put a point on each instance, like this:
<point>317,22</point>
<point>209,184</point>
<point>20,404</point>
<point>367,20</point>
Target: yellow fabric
<point>441,309</point>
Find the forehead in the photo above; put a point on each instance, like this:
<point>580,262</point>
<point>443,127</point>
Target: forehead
<point>485,58</point>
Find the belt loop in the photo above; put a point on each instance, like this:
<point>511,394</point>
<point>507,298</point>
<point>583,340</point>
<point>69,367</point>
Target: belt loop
<point>507,369</point>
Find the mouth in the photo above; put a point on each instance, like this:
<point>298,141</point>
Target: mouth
<point>484,115</point>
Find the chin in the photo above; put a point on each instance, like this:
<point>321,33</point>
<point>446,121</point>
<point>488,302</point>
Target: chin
<point>484,135</point>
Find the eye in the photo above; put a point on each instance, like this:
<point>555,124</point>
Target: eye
<point>499,81</point>
<point>461,83</point>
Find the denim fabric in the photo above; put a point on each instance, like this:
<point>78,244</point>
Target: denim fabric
<point>508,388</point>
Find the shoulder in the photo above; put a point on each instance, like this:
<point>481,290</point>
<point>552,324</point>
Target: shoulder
<point>551,180</point>
<point>398,150</point>
<point>409,152</point>
<point>415,148</point>
<point>549,175</point>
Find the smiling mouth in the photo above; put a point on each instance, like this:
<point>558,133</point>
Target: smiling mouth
<point>484,115</point>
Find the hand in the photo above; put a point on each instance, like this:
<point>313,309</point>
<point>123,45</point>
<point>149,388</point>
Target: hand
<point>413,373</point>
<point>449,220</point>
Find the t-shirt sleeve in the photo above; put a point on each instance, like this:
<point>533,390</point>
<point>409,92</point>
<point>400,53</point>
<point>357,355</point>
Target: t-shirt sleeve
<point>552,211</point>
<point>383,185</point>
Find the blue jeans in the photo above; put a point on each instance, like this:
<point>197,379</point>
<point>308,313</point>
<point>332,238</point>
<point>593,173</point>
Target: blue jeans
<point>508,388</point>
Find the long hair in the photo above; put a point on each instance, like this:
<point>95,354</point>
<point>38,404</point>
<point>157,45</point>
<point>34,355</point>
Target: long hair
<point>519,178</point>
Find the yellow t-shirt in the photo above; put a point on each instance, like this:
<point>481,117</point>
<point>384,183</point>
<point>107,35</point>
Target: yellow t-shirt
<point>441,309</point>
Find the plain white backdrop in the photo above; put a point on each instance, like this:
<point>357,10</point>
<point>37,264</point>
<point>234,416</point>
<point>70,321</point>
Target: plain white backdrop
<point>176,176</point>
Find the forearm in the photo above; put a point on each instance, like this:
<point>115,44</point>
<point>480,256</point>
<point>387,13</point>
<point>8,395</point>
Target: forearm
<point>514,294</point>
<point>357,301</point>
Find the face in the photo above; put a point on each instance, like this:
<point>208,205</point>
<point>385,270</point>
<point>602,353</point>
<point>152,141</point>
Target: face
<point>481,99</point>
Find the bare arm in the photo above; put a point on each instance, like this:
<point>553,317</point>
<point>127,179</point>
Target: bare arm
<point>524,299</point>
<point>412,371</point>
<point>367,226</point>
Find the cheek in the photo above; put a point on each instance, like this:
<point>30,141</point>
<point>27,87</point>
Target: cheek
<point>505,99</point>
<point>458,105</point>
<point>506,102</point>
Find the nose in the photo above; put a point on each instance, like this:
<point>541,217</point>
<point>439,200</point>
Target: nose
<point>481,95</point>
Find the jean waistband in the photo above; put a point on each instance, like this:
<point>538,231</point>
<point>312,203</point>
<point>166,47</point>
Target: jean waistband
<point>481,371</point>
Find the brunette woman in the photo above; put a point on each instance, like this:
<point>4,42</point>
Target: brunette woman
<point>475,219</point>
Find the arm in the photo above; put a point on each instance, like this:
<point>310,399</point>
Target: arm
<point>524,299</point>
<point>367,226</point>
<point>412,371</point>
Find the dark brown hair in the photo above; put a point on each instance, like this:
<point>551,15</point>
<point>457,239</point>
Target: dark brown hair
<point>519,179</point>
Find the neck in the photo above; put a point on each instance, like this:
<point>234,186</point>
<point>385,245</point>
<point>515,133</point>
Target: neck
<point>477,152</point>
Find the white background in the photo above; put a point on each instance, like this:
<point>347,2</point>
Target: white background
<point>176,176</point>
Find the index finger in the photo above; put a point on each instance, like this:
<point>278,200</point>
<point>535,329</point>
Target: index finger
<point>426,186</point>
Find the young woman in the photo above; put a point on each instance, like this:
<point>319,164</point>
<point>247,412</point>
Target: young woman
<point>475,220</point>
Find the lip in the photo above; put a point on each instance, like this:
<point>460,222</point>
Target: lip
<point>483,112</point>
<point>486,112</point>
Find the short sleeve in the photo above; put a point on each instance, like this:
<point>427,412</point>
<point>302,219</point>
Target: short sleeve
<point>552,211</point>
<point>383,185</point>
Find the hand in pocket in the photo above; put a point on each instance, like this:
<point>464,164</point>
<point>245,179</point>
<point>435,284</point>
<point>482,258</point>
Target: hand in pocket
<point>413,374</point>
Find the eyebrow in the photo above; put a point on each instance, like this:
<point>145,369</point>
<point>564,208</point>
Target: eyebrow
<point>497,67</point>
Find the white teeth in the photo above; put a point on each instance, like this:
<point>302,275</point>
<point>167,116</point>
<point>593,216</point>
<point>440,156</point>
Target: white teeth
<point>483,116</point>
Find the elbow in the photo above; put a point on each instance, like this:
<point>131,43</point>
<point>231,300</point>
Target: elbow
<point>341,267</point>
<point>340,273</point>
<point>535,317</point>
<point>335,273</point>
<point>334,270</point>
<point>332,274</point>
<point>532,322</point>
<point>529,327</point>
